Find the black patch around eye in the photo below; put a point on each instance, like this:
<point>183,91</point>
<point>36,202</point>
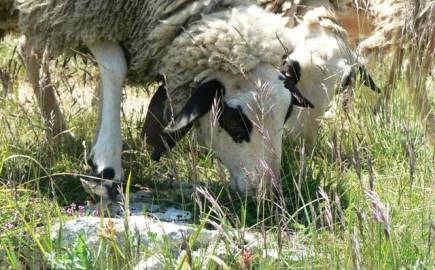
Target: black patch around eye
<point>291,69</point>
<point>236,123</point>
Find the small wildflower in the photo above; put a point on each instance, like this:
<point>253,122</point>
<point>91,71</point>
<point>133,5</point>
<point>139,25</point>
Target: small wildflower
<point>246,259</point>
<point>96,212</point>
<point>10,226</point>
<point>109,229</point>
<point>70,211</point>
<point>73,206</point>
<point>81,210</point>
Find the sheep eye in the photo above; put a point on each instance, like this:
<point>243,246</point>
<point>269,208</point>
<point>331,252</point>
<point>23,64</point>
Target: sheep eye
<point>235,123</point>
<point>291,69</point>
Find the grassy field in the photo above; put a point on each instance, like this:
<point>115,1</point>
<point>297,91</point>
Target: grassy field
<point>363,198</point>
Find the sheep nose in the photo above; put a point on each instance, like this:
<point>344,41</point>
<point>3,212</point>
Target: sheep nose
<point>262,179</point>
<point>269,177</point>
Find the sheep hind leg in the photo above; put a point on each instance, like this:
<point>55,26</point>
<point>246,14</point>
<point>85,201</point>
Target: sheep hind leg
<point>105,156</point>
<point>45,94</point>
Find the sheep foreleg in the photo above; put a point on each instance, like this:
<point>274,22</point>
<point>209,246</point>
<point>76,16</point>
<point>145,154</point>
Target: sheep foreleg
<point>105,157</point>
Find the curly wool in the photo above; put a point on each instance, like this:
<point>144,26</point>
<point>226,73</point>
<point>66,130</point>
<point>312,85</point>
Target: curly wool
<point>234,41</point>
<point>184,40</point>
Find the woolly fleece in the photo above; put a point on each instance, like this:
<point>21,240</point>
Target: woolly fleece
<point>181,40</point>
<point>145,28</point>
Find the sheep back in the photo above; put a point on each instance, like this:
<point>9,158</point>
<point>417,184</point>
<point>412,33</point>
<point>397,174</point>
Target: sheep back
<point>144,28</point>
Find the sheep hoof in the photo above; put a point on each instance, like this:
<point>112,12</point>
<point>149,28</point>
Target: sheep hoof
<point>101,191</point>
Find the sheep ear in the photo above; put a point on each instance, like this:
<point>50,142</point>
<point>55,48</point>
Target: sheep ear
<point>154,121</point>
<point>199,104</point>
<point>297,98</point>
<point>367,80</point>
<point>152,129</point>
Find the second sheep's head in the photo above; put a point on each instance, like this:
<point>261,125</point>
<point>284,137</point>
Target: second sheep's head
<point>241,118</point>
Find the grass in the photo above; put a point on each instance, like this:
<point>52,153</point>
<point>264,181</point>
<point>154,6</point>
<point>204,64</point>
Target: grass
<point>361,199</point>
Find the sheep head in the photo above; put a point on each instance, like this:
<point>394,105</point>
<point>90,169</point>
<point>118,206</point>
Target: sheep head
<point>240,117</point>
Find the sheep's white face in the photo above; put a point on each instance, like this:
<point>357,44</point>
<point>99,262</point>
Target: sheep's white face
<point>247,137</point>
<point>241,118</point>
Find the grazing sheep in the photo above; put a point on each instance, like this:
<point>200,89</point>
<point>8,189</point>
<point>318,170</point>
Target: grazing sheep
<point>398,23</point>
<point>321,62</point>
<point>406,29</point>
<point>215,58</point>
<point>351,14</point>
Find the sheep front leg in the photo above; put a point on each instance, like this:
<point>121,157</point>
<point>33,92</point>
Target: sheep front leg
<point>105,156</point>
<point>44,92</point>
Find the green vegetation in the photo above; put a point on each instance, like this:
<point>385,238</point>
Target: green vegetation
<point>363,198</point>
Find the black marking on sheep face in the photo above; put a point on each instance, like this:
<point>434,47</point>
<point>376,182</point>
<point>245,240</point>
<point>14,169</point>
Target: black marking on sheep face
<point>236,123</point>
<point>291,74</point>
<point>367,80</point>
<point>232,120</point>
<point>155,122</point>
<point>347,80</point>
<point>292,70</point>
<point>198,105</point>
<point>163,137</point>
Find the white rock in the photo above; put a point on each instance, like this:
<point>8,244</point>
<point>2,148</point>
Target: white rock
<point>155,262</point>
<point>157,235</point>
<point>173,214</point>
<point>139,226</point>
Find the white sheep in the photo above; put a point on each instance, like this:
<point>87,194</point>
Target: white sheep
<point>406,30</point>
<point>321,61</point>
<point>204,50</point>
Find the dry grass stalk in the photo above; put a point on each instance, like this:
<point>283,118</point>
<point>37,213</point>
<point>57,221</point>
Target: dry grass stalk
<point>381,212</point>
<point>371,175</point>
<point>327,209</point>
<point>411,154</point>
<point>356,250</point>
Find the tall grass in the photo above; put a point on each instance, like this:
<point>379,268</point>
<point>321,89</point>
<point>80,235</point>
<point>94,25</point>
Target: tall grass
<point>362,198</point>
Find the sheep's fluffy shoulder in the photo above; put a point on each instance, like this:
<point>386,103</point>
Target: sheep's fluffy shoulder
<point>234,41</point>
